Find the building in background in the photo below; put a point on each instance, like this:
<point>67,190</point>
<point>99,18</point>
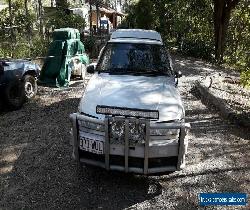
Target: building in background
<point>108,18</point>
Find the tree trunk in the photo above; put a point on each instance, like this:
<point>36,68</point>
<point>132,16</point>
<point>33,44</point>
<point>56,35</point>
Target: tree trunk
<point>11,28</point>
<point>90,17</point>
<point>222,12</point>
<point>97,16</point>
<point>28,26</point>
<point>40,14</point>
<point>61,3</point>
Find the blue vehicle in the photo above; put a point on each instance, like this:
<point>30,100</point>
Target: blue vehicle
<point>17,82</point>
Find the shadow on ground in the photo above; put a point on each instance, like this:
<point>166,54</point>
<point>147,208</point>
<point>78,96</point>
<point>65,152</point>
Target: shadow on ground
<point>45,176</point>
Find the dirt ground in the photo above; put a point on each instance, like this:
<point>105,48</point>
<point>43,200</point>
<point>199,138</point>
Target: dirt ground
<point>37,171</point>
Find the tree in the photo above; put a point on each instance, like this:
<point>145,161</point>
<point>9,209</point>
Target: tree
<point>11,25</point>
<point>144,14</point>
<point>40,6</point>
<point>90,16</point>
<point>28,25</point>
<point>222,12</point>
<point>61,3</point>
<point>97,4</point>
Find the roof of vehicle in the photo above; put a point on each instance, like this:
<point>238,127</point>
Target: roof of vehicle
<point>136,36</point>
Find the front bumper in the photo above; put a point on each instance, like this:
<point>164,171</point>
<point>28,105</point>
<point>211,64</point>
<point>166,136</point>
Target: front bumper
<point>154,155</point>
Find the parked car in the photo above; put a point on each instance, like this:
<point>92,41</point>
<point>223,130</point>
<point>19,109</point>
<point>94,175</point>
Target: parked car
<point>131,117</point>
<point>17,81</point>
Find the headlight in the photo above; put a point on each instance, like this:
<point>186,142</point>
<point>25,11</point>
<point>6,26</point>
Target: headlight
<point>136,133</point>
<point>91,125</point>
<point>169,133</point>
<point>117,129</point>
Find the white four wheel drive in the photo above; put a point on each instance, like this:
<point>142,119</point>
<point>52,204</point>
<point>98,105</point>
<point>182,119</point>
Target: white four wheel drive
<point>131,117</point>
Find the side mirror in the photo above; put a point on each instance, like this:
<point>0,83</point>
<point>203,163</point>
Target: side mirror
<point>91,68</point>
<point>178,74</point>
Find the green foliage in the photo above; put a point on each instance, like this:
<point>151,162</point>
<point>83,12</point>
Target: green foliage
<point>17,45</point>
<point>237,51</point>
<point>188,26</point>
<point>20,19</point>
<point>89,43</point>
<point>197,48</point>
<point>140,15</point>
<point>22,49</point>
<point>63,18</point>
<point>60,19</point>
<point>191,25</point>
<point>39,46</point>
<point>187,23</point>
<point>144,18</point>
<point>245,77</point>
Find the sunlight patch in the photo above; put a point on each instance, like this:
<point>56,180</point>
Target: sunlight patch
<point>6,169</point>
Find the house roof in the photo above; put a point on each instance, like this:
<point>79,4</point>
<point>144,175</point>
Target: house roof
<point>105,9</point>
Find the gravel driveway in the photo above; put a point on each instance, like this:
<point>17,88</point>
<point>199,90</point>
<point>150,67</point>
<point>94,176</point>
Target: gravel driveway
<point>37,171</point>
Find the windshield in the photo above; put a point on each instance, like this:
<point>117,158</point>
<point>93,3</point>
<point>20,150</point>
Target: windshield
<point>130,58</point>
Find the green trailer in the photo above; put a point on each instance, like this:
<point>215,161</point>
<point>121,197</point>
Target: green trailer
<point>66,56</point>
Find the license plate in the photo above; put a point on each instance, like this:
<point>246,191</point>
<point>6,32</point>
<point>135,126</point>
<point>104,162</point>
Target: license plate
<point>91,145</point>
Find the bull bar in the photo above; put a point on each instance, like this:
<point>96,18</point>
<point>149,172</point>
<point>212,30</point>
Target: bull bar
<point>151,156</point>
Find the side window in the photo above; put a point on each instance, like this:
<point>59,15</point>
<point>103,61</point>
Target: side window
<point>105,58</point>
<point>166,59</point>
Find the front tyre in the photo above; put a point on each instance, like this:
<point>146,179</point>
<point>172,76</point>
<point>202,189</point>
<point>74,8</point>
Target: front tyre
<point>30,87</point>
<point>14,94</point>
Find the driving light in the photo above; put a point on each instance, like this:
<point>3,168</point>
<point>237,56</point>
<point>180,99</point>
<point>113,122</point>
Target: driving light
<point>137,132</point>
<point>127,112</point>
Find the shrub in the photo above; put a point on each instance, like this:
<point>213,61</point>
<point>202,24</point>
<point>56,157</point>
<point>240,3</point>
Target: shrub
<point>197,48</point>
<point>245,77</point>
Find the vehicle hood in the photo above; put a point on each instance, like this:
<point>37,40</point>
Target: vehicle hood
<point>19,64</point>
<point>140,92</point>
